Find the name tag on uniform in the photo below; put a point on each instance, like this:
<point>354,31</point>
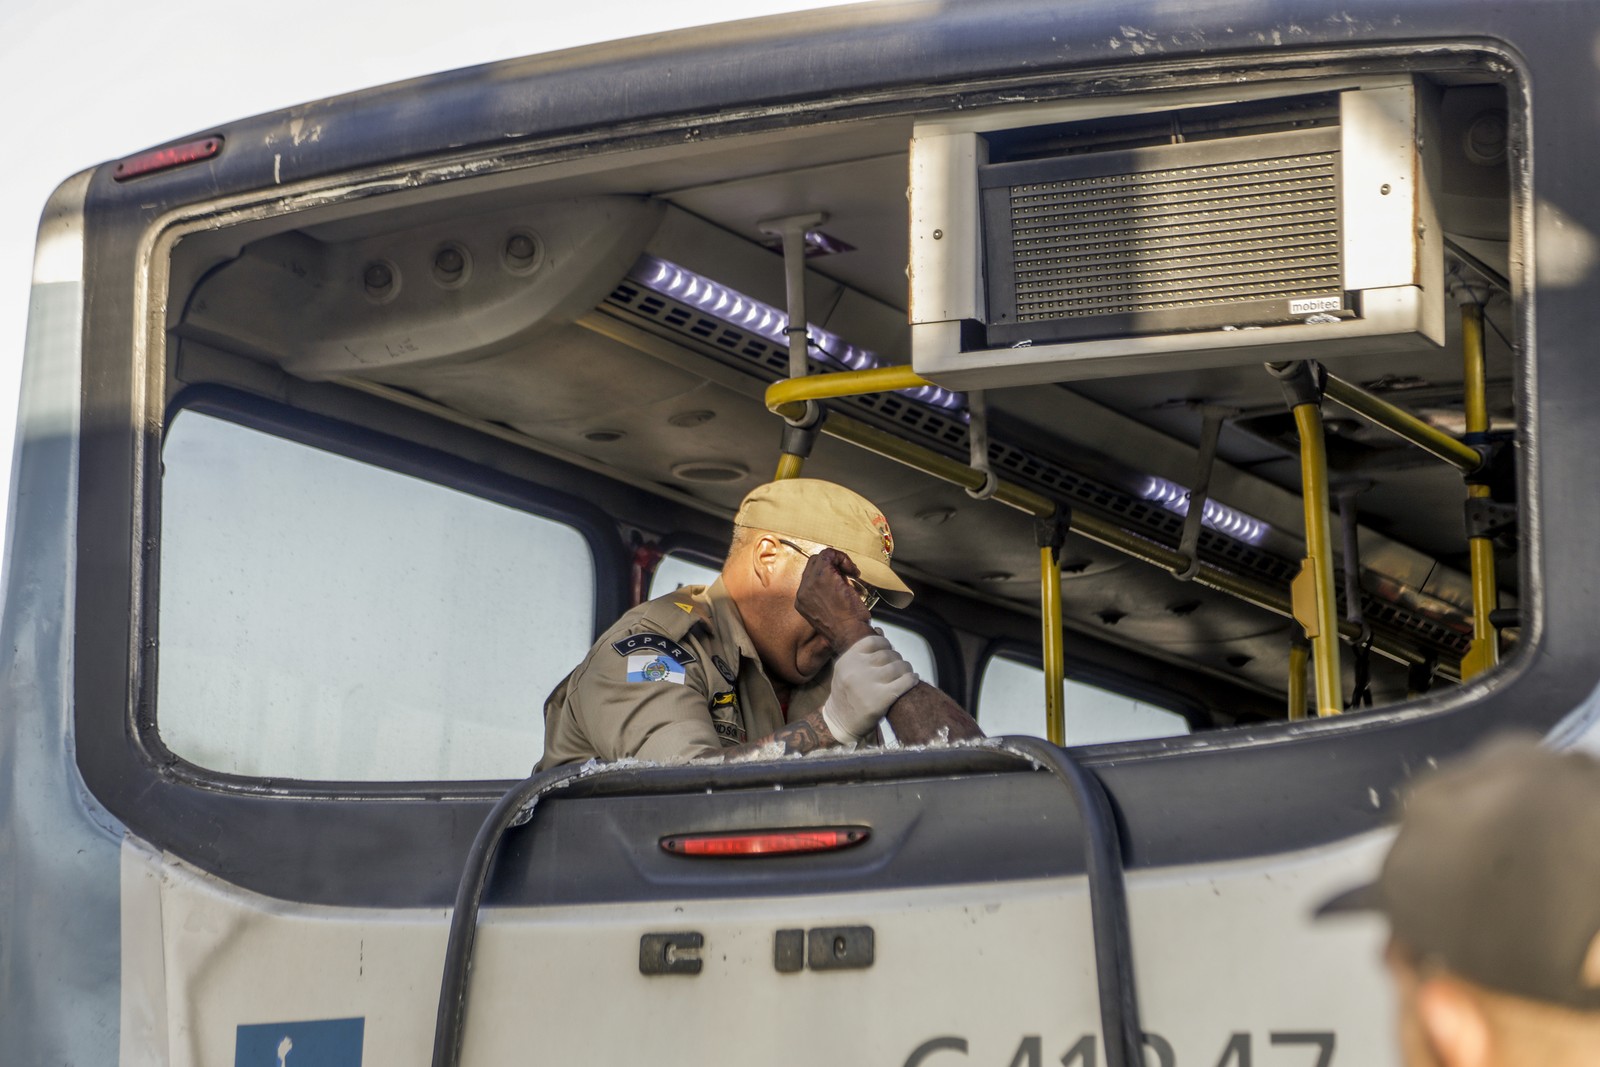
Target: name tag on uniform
<point>655,667</point>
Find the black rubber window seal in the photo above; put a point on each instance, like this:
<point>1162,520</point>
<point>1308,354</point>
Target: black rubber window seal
<point>1121,1034</point>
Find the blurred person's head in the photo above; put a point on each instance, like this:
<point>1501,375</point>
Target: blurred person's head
<point>1492,892</point>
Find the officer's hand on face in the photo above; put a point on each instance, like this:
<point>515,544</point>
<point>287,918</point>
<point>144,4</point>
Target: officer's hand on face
<point>829,603</point>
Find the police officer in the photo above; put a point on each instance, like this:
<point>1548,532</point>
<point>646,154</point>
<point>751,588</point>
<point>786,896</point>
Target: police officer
<point>777,655</point>
<point>1492,892</point>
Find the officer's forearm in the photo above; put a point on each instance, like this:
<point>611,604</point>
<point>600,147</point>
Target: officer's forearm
<point>923,711</point>
<point>801,736</point>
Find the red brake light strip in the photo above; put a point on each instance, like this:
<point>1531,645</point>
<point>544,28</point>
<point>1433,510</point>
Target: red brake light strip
<point>159,159</point>
<point>766,842</point>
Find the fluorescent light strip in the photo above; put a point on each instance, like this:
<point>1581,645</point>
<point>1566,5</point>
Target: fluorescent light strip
<point>1219,517</point>
<point>766,321</point>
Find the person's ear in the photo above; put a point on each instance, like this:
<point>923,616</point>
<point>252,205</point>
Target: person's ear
<point>1453,1023</point>
<point>764,559</point>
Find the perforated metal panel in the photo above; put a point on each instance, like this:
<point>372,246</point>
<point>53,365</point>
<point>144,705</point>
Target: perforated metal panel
<point>1243,231</point>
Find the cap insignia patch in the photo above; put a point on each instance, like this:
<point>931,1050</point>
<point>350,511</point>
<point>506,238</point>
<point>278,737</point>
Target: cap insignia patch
<point>882,526</point>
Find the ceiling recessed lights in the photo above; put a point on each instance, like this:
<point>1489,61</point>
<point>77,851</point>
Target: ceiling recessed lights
<point>452,265</point>
<point>710,471</point>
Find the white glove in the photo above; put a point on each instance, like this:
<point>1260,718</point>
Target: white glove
<point>868,678</point>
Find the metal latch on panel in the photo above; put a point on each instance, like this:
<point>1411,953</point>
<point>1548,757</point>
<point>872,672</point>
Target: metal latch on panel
<point>676,953</point>
<point>839,948</point>
<point>789,951</point>
<point>824,948</point>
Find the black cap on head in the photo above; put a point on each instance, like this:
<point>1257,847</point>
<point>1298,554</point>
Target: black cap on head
<point>1495,873</point>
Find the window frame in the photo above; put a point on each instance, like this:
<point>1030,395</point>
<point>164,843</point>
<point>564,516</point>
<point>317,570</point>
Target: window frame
<point>698,549</point>
<point>380,450</point>
<point>372,851</point>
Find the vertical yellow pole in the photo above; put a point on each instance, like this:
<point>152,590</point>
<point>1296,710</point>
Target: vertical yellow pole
<point>789,466</point>
<point>1299,654</point>
<point>1054,644</point>
<point>1484,651</point>
<point>1315,607</point>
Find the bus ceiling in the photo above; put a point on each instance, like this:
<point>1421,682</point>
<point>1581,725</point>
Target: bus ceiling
<point>1094,287</point>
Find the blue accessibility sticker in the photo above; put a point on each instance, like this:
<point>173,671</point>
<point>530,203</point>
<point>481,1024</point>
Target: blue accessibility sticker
<point>318,1043</point>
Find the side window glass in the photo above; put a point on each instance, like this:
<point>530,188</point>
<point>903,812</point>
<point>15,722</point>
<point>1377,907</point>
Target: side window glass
<point>322,618</point>
<point>1011,701</point>
<point>676,570</point>
<point>913,646</point>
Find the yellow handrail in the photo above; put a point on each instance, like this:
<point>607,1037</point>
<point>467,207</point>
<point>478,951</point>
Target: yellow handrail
<point>1299,653</point>
<point>788,397</point>
<point>1093,527</point>
<point>789,466</point>
<point>1053,642</point>
<point>1401,422</point>
<point>844,428</point>
<point>1484,651</point>
<point>1319,617</point>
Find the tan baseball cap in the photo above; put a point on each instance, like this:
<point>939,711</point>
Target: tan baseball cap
<point>1495,873</point>
<point>814,510</point>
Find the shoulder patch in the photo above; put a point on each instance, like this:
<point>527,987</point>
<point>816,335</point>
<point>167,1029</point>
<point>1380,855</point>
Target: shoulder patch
<point>724,670</point>
<point>655,667</point>
<point>645,641</point>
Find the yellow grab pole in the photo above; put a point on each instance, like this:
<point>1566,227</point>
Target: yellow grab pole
<point>1093,527</point>
<point>1050,531</point>
<point>1299,653</point>
<point>1311,592</point>
<point>789,466</point>
<point>795,400</point>
<point>1054,644</point>
<point>788,397</point>
<point>1484,651</point>
<point>1315,607</point>
<point>1402,423</point>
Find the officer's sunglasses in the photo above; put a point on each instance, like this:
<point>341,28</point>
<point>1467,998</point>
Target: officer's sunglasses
<point>869,596</point>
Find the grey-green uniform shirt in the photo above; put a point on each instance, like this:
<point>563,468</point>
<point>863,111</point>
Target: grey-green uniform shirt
<point>675,678</point>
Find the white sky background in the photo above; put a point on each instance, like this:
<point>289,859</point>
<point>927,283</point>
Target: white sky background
<point>92,80</point>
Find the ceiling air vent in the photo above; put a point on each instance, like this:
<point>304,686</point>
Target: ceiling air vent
<point>1196,237</point>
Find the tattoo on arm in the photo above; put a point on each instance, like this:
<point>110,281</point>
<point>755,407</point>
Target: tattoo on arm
<point>801,736</point>
<point>922,715</point>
